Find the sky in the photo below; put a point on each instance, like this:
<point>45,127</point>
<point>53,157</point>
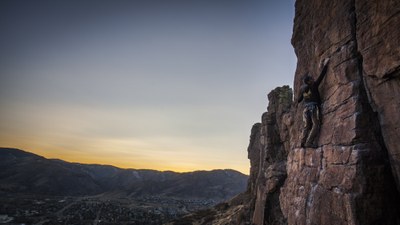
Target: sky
<point>166,85</point>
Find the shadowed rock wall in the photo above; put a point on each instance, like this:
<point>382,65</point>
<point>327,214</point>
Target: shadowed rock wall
<point>273,153</point>
<point>353,176</point>
<point>350,178</point>
<point>378,39</point>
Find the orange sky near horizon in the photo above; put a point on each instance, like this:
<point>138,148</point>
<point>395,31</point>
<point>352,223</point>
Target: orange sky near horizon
<point>167,162</point>
<point>75,134</point>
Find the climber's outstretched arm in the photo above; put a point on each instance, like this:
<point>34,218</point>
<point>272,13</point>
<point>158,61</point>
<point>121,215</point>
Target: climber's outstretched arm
<point>323,72</point>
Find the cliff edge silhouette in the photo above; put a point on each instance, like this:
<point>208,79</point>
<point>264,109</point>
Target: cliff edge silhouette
<point>353,176</point>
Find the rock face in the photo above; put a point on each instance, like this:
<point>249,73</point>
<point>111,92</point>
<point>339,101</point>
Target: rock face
<point>351,177</point>
<point>379,47</point>
<point>272,166</point>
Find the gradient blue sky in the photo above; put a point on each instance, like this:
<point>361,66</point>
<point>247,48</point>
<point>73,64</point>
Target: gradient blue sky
<point>166,85</point>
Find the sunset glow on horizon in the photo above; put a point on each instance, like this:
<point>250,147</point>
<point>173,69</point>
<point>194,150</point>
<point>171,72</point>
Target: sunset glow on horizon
<point>165,85</point>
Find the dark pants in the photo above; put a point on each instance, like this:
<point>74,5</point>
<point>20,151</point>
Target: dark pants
<point>311,119</point>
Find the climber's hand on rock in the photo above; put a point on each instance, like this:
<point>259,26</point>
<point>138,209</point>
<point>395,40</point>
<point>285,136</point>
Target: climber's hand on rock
<point>325,61</point>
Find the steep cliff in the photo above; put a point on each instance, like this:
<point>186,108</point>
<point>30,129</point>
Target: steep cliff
<point>274,146</point>
<point>350,178</point>
<point>353,175</point>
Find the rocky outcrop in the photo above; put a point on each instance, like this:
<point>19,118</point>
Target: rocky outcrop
<point>347,179</point>
<point>352,177</point>
<point>273,153</point>
<point>267,153</point>
<point>254,150</point>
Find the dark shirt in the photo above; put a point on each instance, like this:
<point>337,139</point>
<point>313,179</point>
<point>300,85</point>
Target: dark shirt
<point>310,93</point>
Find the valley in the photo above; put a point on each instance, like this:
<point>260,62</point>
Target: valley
<point>101,209</point>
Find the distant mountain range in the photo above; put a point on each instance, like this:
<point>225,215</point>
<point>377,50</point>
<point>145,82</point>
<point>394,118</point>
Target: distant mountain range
<point>24,172</point>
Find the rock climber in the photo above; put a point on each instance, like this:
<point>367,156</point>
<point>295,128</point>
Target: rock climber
<point>312,101</point>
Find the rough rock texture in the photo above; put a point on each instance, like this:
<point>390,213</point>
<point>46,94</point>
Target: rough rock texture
<point>378,39</point>
<point>347,179</point>
<point>254,150</point>
<point>350,178</point>
<point>353,176</point>
<point>272,167</point>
